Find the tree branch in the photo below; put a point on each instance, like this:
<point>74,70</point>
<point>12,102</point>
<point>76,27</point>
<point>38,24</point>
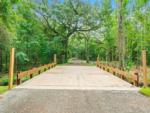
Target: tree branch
<point>49,26</point>
<point>73,8</point>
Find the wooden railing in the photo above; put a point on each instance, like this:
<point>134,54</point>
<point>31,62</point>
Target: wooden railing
<point>33,71</point>
<point>132,78</point>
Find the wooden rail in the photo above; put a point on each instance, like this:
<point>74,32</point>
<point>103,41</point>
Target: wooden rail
<point>33,71</point>
<point>132,78</point>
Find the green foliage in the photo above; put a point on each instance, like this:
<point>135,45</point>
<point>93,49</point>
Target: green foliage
<point>129,65</point>
<point>22,57</point>
<point>4,37</point>
<point>72,28</point>
<point>4,81</point>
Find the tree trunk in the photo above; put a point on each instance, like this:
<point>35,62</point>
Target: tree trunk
<point>6,62</point>
<point>1,62</point>
<point>121,38</point>
<point>87,50</point>
<point>65,50</point>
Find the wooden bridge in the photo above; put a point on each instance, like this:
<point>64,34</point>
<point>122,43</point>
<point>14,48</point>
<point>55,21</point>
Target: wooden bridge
<point>74,89</point>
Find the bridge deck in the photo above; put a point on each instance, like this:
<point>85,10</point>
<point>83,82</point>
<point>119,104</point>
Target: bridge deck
<point>77,77</point>
<point>74,89</point>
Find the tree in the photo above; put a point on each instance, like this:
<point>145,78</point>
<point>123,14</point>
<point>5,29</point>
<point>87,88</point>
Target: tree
<point>121,37</point>
<point>66,19</point>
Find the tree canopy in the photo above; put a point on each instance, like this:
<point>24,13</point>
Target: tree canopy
<point>117,30</point>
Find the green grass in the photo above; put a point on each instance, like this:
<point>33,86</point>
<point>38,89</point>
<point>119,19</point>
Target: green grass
<point>145,91</point>
<point>3,89</point>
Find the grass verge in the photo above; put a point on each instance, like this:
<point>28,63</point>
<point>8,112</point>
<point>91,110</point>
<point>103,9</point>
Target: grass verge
<point>145,91</point>
<point>3,89</point>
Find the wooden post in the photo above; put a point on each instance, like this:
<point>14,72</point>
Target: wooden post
<point>11,68</point>
<point>55,59</point>
<point>144,68</point>
<point>18,80</point>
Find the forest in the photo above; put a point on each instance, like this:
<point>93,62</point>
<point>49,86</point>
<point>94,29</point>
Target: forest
<point>116,30</point>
